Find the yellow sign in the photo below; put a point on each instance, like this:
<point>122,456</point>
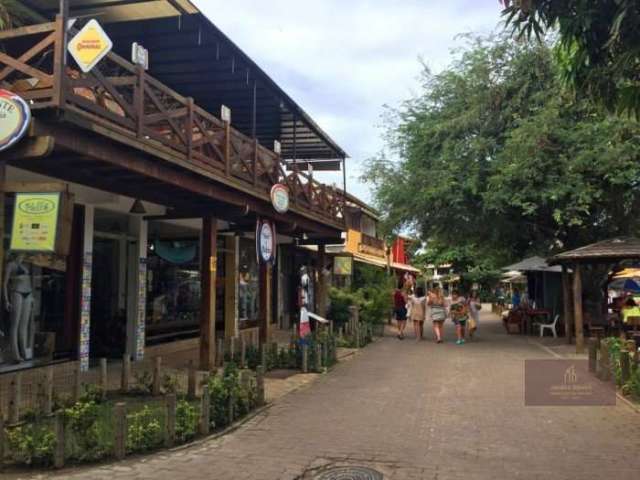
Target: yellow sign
<point>342,265</point>
<point>90,46</point>
<point>35,222</point>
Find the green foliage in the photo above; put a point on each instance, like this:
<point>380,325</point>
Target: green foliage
<point>222,388</point>
<point>170,384</point>
<point>31,444</point>
<point>186,421</point>
<point>598,48</point>
<point>144,430</point>
<point>88,426</point>
<point>143,383</point>
<point>495,161</point>
<point>92,393</point>
<point>340,299</point>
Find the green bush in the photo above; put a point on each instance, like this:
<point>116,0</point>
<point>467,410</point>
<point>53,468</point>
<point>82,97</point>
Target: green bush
<point>31,444</point>
<point>144,430</point>
<point>89,433</point>
<point>186,421</point>
<point>221,388</point>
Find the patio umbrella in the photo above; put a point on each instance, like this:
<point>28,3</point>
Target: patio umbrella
<point>631,285</point>
<point>628,273</point>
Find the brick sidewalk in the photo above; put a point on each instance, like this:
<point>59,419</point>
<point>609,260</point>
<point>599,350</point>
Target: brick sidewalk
<point>412,410</point>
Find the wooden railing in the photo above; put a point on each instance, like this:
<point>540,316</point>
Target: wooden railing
<point>372,242</point>
<point>122,97</point>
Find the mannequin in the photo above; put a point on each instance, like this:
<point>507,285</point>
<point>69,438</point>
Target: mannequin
<point>18,298</point>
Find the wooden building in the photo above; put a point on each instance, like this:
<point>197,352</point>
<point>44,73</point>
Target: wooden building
<point>169,173</point>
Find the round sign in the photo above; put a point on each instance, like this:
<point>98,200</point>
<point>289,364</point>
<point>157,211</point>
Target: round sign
<point>15,116</point>
<point>280,198</point>
<point>266,242</point>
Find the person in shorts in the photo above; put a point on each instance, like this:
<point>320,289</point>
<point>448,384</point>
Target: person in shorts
<point>400,310</point>
<point>459,312</point>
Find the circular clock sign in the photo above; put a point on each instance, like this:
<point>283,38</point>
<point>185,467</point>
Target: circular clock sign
<point>280,198</point>
<point>266,242</point>
<point>15,116</point>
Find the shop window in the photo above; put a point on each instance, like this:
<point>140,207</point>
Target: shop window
<point>248,283</point>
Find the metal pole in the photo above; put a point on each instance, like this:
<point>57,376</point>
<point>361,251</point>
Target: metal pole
<point>295,139</point>
<point>254,109</point>
<point>344,177</point>
<point>64,13</point>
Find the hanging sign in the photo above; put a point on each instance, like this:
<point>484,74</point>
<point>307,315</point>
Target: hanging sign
<point>280,198</point>
<point>342,265</point>
<point>15,116</point>
<point>89,46</point>
<point>140,55</point>
<point>35,222</point>
<point>265,241</point>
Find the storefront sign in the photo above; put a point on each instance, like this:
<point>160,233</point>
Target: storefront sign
<point>280,198</point>
<point>35,222</point>
<point>266,241</point>
<point>140,55</point>
<point>89,46</point>
<point>15,116</point>
<point>342,265</point>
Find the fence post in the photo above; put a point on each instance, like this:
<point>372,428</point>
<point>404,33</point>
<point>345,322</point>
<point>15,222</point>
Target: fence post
<point>625,366</point>
<point>604,372</point>
<point>243,353</point>
<point>318,359</point>
<point>263,356</point>
<point>325,353</point>
<point>157,376</point>
<point>104,379</point>
<point>1,436</point>
<point>120,430</point>
<point>191,388</point>
<point>15,394</point>
<point>77,384</point>
<point>220,353</point>
<point>232,348</point>
<point>125,379</point>
<point>231,404</point>
<point>205,415</point>
<point>260,394</point>
<point>170,432</point>
<point>593,355</point>
<point>48,391</point>
<point>58,453</point>
<point>305,358</point>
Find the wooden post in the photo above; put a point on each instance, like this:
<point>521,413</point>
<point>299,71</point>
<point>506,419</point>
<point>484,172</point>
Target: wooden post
<point>58,454</point>
<point>47,407</point>
<point>323,290</point>
<point>104,379</point>
<point>208,270</point>
<point>227,148</point>
<point>625,366</point>
<point>205,415</point>
<point>604,370</point>
<point>243,353</point>
<point>566,303</point>
<point>157,376</point>
<point>139,103</point>
<point>260,393</point>
<point>2,435</point>
<point>232,349</point>
<point>125,379</point>
<point>77,382</point>
<point>593,355</point>
<point>120,430</point>
<point>577,307</point>
<point>231,263</point>
<point>220,353</point>
<point>265,302</point>
<point>15,398</point>
<point>318,359</point>
<point>263,356</point>
<point>191,388</point>
<point>170,433</point>
<point>305,358</point>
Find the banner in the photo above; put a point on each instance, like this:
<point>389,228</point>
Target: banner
<point>35,222</point>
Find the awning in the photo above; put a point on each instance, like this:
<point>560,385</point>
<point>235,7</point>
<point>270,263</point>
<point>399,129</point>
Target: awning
<point>404,267</point>
<point>370,259</point>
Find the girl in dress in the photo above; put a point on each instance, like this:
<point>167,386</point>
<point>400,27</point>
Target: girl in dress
<point>417,306</point>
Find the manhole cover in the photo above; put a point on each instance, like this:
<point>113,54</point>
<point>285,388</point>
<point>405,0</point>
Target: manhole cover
<point>349,473</point>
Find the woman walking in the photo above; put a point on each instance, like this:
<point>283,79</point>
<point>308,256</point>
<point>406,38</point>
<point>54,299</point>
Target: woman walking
<point>417,305</point>
<point>459,315</point>
<point>474,313</point>
<point>400,310</point>
<point>438,312</point>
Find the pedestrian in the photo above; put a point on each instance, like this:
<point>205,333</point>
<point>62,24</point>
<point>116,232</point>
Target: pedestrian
<point>459,314</point>
<point>417,306</point>
<point>474,313</point>
<point>400,309</point>
<point>438,312</point>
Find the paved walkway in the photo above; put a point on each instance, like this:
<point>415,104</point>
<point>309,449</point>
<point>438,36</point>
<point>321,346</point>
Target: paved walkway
<point>413,410</point>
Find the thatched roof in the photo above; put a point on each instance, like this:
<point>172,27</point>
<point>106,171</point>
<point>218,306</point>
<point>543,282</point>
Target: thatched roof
<point>607,250</point>
<point>533,264</point>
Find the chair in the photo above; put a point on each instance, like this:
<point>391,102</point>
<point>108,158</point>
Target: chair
<point>551,326</point>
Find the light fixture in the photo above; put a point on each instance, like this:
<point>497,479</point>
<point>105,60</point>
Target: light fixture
<point>137,207</point>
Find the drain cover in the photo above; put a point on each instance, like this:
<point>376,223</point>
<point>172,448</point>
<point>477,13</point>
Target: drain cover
<point>349,473</point>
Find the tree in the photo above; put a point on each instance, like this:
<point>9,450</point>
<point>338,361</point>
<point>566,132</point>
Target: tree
<point>599,47</point>
<point>496,161</point>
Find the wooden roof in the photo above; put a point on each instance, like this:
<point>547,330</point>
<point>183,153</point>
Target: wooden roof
<point>607,250</point>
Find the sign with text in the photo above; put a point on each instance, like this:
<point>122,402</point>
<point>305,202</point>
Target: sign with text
<point>342,265</point>
<point>564,383</point>
<point>265,241</point>
<point>15,116</point>
<point>89,46</point>
<point>35,222</point>
<point>280,198</point>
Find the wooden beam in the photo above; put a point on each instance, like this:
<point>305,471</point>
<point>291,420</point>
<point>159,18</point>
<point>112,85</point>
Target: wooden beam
<point>28,30</point>
<point>323,287</point>
<point>265,302</point>
<point>33,187</point>
<point>231,264</point>
<point>208,268</point>
<point>32,147</point>
<point>577,307</point>
<point>566,301</point>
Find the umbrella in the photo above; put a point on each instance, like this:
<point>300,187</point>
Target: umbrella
<point>631,286</point>
<point>628,273</point>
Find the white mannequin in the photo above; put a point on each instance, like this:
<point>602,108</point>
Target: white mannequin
<point>18,298</point>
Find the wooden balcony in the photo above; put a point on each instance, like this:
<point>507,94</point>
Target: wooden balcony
<point>123,102</point>
<point>372,245</point>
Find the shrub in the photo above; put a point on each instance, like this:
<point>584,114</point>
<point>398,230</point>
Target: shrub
<point>144,430</point>
<point>143,383</point>
<point>89,427</point>
<point>186,421</point>
<point>31,444</point>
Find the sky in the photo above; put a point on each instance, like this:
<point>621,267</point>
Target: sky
<point>343,60</point>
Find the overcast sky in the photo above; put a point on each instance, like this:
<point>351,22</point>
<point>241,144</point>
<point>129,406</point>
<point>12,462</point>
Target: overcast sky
<point>342,60</point>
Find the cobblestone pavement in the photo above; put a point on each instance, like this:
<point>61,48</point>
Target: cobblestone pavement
<point>412,410</point>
